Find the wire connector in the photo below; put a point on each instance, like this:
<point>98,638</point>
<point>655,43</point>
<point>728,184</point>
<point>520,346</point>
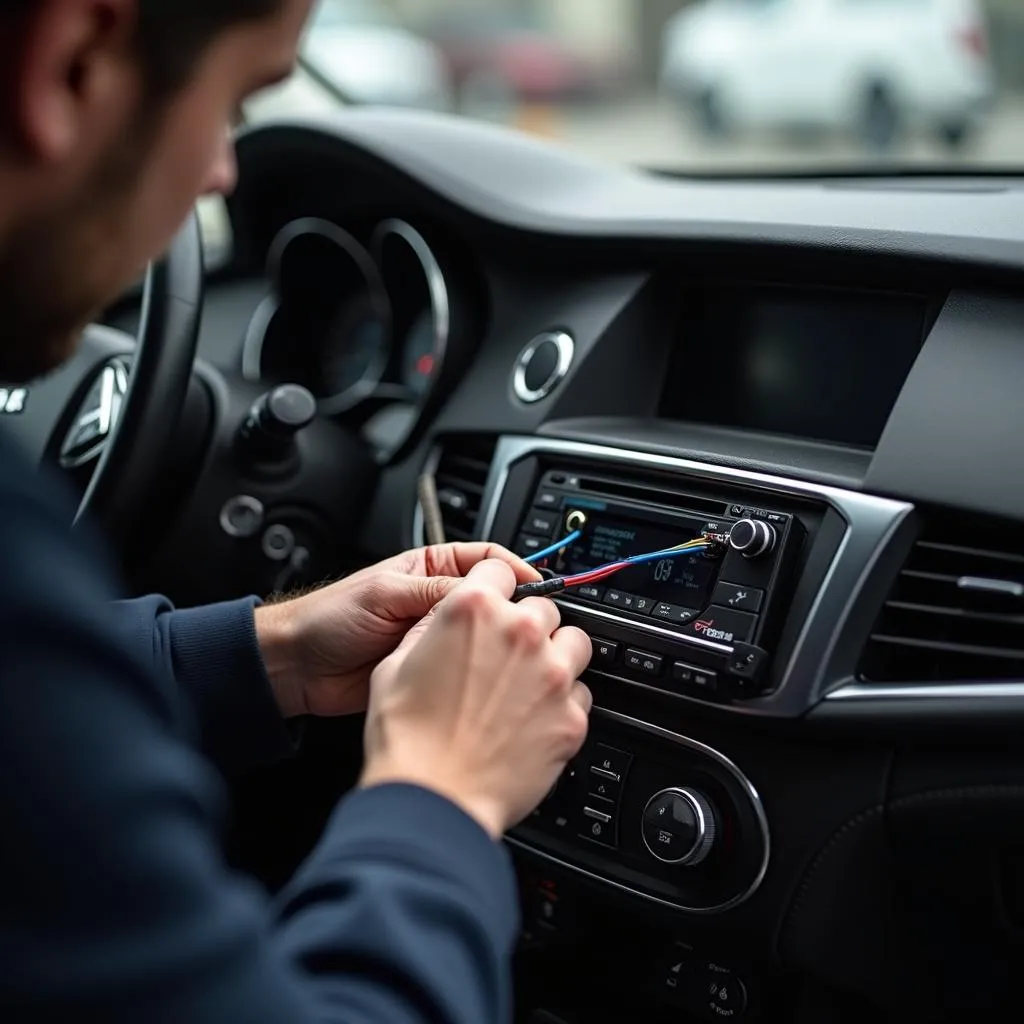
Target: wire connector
<point>544,588</point>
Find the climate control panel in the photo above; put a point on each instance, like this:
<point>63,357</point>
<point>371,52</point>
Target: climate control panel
<point>654,813</point>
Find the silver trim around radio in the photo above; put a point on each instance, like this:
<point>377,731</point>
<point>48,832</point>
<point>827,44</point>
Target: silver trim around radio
<point>724,762</point>
<point>870,523</point>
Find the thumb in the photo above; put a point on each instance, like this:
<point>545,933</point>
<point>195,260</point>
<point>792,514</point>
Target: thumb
<point>413,597</point>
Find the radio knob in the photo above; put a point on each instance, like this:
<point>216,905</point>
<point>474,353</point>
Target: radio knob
<point>753,538</point>
<point>679,827</point>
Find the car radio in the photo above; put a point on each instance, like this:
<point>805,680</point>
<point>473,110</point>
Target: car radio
<point>685,598</point>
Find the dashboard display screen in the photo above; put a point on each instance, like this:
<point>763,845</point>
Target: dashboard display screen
<point>683,580</point>
<point>826,365</point>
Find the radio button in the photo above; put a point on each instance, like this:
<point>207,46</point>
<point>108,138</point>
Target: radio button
<point>527,546</point>
<point>743,599</point>
<point>547,499</point>
<point>644,662</point>
<point>605,651</point>
<point>692,675</point>
<point>618,598</point>
<point>722,626</point>
<point>542,523</point>
<point>674,613</point>
<point>588,591</point>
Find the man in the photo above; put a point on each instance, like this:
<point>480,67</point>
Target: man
<point>115,903</point>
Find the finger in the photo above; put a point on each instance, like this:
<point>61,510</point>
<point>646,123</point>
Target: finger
<point>492,575</point>
<point>575,646</point>
<point>581,695</point>
<point>543,610</point>
<point>458,559</point>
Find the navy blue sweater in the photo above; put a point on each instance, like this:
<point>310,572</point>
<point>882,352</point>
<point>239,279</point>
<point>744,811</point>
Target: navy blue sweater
<point>117,719</point>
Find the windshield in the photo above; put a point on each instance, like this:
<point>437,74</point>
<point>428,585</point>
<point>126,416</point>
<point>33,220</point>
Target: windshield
<point>704,86</point>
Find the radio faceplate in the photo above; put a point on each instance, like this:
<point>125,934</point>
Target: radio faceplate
<point>698,625</point>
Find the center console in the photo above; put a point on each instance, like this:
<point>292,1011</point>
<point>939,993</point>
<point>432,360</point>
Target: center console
<point>743,623</point>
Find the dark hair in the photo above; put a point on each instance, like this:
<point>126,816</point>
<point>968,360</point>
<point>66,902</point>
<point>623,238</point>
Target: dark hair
<point>172,35</point>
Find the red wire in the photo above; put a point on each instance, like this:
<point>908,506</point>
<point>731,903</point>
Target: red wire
<point>594,576</point>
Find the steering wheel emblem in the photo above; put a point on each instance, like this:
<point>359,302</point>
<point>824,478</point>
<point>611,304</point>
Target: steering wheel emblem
<point>97,415</point>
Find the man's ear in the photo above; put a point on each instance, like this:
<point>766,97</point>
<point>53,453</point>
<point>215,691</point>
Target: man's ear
<point>72,75</point>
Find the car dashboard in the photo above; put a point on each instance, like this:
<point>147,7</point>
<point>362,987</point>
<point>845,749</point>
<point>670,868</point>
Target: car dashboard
<point>803,792</point>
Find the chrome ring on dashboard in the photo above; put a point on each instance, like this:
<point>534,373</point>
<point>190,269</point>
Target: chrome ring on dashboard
<point>565,349</point>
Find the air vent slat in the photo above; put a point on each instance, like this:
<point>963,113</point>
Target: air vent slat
<point>956,610</point>
<point>460,476</point>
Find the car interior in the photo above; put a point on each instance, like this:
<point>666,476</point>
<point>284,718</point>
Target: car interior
<point>802,794</point>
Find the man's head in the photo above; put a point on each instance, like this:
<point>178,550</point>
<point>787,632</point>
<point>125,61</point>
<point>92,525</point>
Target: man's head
<point>114,118</point>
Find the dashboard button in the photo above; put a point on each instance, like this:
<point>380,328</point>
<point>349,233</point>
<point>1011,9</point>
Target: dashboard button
<point>603,787</point>
<point>618,598</point>
<point>693,675</point>
<point>610,761</point>
<point>722,625</point>
<point>599,821</point>
<point>743,599</point>
<point>547,499</point>
<point>542,523</point>
<point>673,612</point>
<point>589,590</point>
<point>644,662</point>
<point>642,605</point>
<point>605,651</point>
<point>527,546</point>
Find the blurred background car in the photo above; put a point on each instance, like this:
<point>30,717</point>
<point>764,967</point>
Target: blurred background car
<point>360,49</point>
<point>871,68</point>
<point>498,55</point>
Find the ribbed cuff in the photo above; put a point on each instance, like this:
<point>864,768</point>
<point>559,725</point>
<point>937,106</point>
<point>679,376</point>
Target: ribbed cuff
<point>217,657</point>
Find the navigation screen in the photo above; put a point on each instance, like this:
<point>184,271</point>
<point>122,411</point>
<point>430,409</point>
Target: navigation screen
<point>683,580</point>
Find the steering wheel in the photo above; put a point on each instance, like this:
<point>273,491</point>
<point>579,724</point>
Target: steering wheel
<point>117,401</point>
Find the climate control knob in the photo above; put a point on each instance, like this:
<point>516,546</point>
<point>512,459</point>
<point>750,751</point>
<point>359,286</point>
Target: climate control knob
<point>679,827</point>
<point>753,538</point>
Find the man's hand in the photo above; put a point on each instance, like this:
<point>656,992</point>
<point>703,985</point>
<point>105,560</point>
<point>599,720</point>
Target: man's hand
<point>482,701</point>
<point>321,649</point>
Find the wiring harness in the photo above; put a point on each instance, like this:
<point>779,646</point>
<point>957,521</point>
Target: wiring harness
<point>556,584</point>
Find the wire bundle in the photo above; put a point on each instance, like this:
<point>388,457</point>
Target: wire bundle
<point>553,586</point>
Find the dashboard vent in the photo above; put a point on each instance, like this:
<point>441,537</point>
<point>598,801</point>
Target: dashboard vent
<point>463,464</point>
<point>956,612</point>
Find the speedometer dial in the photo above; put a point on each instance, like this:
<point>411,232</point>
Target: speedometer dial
<point>355,353</point>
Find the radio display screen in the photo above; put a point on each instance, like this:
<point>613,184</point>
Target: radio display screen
<point>684,580</point>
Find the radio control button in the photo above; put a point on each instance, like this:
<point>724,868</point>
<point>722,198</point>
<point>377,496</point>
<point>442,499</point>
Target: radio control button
<point>722,626</point>
<point>547,499</point>
<point>643,662</point>
<point>542,523</point>
<point>673,613</point>
<point>588,591</point>
<point>743,599</point>
<point>605,651</point>
<point>527,546</point>
<point>692,675</point>
<point>608,761</point>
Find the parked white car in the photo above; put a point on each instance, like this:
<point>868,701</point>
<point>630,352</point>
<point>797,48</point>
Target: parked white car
<point>362,51</point>
<point>874,68</point>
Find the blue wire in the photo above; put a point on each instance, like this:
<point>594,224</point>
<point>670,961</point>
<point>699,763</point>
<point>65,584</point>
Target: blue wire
<point>554,548</point>
<point>650,556</point>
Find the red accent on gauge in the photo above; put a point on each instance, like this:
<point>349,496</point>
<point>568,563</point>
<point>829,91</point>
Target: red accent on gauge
<point>425,365</point>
